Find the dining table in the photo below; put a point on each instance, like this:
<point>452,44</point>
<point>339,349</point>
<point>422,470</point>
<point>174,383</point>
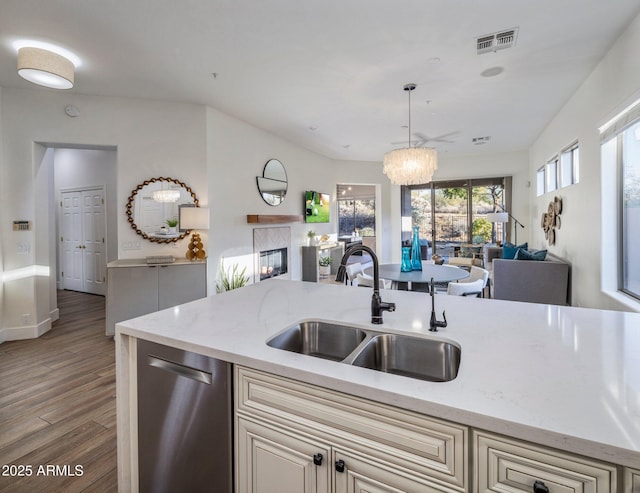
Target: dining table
<point>439,273</point>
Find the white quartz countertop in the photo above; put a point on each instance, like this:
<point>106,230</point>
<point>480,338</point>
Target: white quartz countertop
<point>563,377</point>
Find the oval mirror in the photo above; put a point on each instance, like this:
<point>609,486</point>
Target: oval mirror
<point>153,209</point>
<point>272,185</point>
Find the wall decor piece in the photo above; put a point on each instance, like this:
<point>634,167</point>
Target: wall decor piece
<point>150,208</point>
<point>550,221</point>
<point>272,185</point>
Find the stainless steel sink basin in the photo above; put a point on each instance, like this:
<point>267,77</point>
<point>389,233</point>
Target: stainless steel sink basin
<point>409,356</point>
<point>320,339</point>
<point>425,359</point>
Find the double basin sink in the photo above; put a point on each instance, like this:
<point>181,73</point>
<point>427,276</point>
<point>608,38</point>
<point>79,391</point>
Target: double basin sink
<point>414,357</point>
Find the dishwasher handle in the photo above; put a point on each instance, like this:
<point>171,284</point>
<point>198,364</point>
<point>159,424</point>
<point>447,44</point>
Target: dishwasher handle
<point>180,370</point>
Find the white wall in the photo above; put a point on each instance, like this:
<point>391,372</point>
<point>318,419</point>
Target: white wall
<point>587,207</point>
<point>237,153</point>
<point>152,139</point>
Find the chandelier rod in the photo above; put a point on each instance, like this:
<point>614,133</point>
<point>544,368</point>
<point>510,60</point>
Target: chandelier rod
<point>409,88</point>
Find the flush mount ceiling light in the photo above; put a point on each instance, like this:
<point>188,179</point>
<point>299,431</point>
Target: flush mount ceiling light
<point>166,196</point>
<point>410,165</point>
<point>45,68</point>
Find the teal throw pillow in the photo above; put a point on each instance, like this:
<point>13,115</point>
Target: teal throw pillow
<point>530,254</point>
<point>509,250</point>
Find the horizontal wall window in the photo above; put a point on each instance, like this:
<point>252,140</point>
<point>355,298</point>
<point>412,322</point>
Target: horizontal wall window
<point>552,175</point>
<point>570,166</point>
<point>559,172</point>
<point>540,181</point>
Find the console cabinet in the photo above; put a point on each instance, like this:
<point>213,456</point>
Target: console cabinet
<point>135,288</point>
<point>294,437</point>
<point>311,255</point>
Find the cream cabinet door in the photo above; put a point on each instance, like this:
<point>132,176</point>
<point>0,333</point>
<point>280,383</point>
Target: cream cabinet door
<point>270,460</point>
<point>631,480</point>
<point>355,474</point>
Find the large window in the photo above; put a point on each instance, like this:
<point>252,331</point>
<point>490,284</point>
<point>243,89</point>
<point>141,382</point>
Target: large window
<point>453,213</point>
<point>356,210</point>
<point>629,160</point>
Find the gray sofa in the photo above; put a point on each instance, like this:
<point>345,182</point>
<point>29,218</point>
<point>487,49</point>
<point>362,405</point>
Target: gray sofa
<point>533,281</point>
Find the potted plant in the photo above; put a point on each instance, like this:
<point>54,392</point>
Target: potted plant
<point>232,279</point>
<point>311,235</point>
<point>172,223</point>
<point>325,266</point>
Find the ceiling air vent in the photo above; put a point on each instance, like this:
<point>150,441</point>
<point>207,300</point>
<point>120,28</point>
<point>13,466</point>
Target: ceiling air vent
<point>481,140</point>
<point>497,41</point>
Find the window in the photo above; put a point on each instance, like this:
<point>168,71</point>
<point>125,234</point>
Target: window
<point>356,210</point>
<point>559,172</point>
<point>552,175</point>
<point>629,163</point>
<point>570,166</point>
<point>453,213</point>
<point>540,181</point>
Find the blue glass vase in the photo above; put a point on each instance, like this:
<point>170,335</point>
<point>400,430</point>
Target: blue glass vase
<point>416,256</point>
<point>406,260</point>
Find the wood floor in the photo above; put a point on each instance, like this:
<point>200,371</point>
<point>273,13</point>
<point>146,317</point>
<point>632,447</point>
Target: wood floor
<point>57,404</point>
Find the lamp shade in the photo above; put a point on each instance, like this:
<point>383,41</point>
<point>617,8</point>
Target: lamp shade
<point>45,68</point>
<point>498,217</point>
<point>410,165</point>
<point>194,218</point>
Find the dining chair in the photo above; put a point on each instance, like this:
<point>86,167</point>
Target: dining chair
<point>473,288</point>
<point>475,274</point>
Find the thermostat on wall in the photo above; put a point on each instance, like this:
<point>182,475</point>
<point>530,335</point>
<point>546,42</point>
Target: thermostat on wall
<point>22,225</point>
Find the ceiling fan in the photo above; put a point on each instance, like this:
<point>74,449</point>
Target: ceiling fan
<point>421,139</point>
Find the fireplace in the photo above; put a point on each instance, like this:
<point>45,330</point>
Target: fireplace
<point>271,253</point>
<point>273,263</point>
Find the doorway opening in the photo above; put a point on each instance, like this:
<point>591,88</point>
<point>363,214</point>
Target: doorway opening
<point>76,194</point>
<point>357,219</point>
<point>84,182</point>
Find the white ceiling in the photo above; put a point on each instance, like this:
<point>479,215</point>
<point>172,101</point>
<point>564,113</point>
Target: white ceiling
<point>337,66</point>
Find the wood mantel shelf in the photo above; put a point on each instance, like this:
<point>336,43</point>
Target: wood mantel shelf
<point>273,218</point>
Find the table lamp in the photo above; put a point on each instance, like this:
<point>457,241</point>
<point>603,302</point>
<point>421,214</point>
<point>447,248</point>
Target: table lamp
<point>195,218</point>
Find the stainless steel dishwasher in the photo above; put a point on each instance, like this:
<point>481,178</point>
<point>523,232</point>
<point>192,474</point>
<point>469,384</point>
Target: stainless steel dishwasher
<point>184,421</point>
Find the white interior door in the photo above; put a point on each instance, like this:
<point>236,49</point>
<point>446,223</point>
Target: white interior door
<point>93,248</point>
<point>71,240</point>
<point>83,241</point>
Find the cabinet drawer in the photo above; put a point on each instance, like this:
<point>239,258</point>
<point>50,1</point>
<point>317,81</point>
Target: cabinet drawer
<point>407,440</point>
<point>503,465</point>
<point>631,480</point>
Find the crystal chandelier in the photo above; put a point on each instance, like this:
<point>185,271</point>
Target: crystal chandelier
<point>410,165</point>
<point>166,196</point>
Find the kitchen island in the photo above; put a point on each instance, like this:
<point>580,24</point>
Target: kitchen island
<point>558,377</point>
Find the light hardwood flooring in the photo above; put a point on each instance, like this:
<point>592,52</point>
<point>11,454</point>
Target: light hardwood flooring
<point>57,403</point>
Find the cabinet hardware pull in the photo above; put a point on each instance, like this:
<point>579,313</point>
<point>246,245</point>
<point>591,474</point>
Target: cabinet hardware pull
<point>340,465</point>
<point>540,487</point>
<point>317,459</point>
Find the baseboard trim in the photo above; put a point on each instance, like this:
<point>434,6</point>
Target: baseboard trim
<point>26,332</point>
